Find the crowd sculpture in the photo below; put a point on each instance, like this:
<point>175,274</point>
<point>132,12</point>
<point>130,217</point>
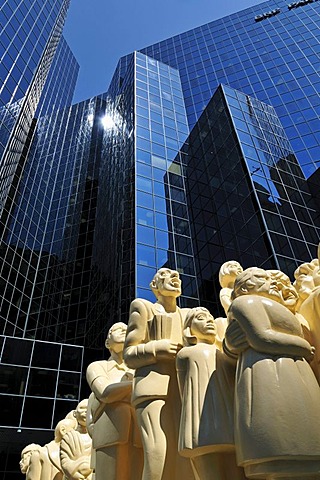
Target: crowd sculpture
<point>184,395</point>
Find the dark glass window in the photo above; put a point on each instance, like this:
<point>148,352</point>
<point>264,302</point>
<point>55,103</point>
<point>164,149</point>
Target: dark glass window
<point>71,358</point>
<point>17,351</point>
<point>37,413</point>
<point>13,379</point>
<point>42,383</point>
<point>62,408</point>
<point>46,355</point>
<point>10,410</point>
<point>68,385</point>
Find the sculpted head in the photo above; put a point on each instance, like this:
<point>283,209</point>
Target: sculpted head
<point>166,283</point>
<point>199,326</point>
<point>256,281</point>
<point>63,427</point>
<point>26,456</point>
<point>228,273</point>
<point>80,413</point>
<point>289,294</point>
<point>307,278</point>
<point>116,337</point>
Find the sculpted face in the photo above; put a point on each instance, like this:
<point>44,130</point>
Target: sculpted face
<point>81,412</point>
<point>203,326</point>
<point>288,292</point>
<point>256,281</point>
<point>307,278</point>
<point>25,461</point>
<point>166,283</point>
<point>116,335</point>
<point>234,268</point>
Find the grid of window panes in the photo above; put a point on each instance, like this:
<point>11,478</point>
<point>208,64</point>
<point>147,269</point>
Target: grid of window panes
<point>46,242</point>
<point>39,382</point>
<point>113,281</point>
<point>246,193</point>
<point>162,225</point>
<point>276,60</point>
<point>60,84</point>
<point>30,33</point>
<point>290,213</point>
<point>225,217</point>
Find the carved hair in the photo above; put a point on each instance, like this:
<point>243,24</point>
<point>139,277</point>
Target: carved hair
<point>310,267</point>
<point>30,448</point>
<point>243,283</point>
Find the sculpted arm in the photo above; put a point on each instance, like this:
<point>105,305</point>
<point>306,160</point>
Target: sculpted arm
<point>104,388</point>
<point>138,351</point>
<point>75,460</point>
<point>254,320</point>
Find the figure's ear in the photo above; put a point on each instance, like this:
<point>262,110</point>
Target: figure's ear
<point>74,413</point>
<point>63,430</point>
<point>153,284</point>
<point>244,289</point>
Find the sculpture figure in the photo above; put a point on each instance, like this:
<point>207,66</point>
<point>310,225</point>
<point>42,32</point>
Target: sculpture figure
<point>153,340</point>
<point>75,448</point>
<point>277,422</point>
<point>227,275</point>
<point>26,458</point>
<point>111,418</point>
<point>206,383</point>
<point>306,279</point>
<point>45,461</point>
<point>308,283</point>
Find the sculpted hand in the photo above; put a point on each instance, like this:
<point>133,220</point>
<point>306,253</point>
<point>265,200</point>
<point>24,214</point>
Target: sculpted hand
<point>166,350</point>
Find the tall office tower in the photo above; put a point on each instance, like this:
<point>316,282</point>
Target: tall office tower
<point>30,34</point>
<point>185,162</point>
<point>269,51</point>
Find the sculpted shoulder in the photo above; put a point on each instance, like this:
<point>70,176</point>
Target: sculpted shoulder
<point>140,304</point>
<point>249,301</point>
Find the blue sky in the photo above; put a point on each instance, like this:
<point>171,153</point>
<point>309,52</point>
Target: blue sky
<point>99,32</point>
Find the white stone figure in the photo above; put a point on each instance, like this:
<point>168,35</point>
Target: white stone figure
<point>75,448</point>
<point>308,284</point>
<point>307,278</point>
<point>277,421</point>
<point>45,461</point>
<point>26,458</point>
<point>153,340</point>
<point>227,274</point>
<point>111,419</point>
<point>206,382</point>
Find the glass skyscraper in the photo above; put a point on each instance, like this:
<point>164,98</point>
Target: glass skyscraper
<point>205,148</point>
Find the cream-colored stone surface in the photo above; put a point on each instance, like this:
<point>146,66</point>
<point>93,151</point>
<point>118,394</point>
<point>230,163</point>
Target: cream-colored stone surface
<point>206,383</point>
<point>75,448</point>
<point>227,274</point>
<point>44,462</point>
<point>26,458</point>
<point>153,340</point>
<point>277,421</point>
<point>111,419</point>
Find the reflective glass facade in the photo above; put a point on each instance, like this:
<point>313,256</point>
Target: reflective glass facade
<point>247,197</point>
<point>275,60</point>
<point>30,33</point>
<point>205,148</point>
